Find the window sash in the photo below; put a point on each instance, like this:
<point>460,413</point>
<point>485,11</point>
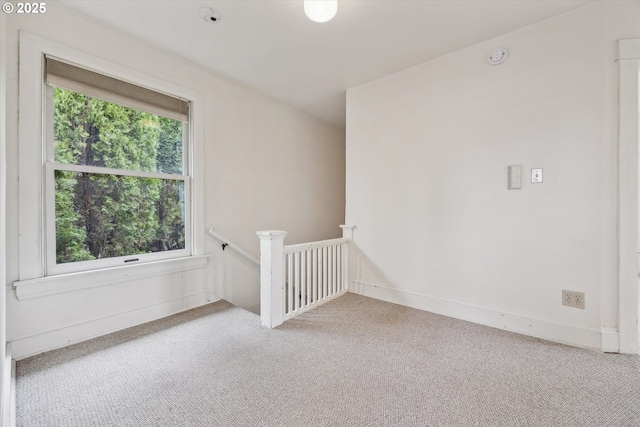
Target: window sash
<point>49,131</point>
<point>52,268</point>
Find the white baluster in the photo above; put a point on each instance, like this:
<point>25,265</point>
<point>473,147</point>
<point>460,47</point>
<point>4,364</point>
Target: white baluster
<point>339,267</point>
<point>314,263</point>
<point>334,255</point>
<point>303,277</point>
<point>325,271</point>
<point>296,280</point>
<point>308,280</point>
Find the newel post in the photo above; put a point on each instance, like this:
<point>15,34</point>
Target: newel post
<point>271,277</point>
<point>347,231</point>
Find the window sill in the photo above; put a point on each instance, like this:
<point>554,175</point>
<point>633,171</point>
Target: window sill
<point>51,285</point>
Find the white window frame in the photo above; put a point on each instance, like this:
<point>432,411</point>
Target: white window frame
<point>33,226</point>
<point>52,267</point>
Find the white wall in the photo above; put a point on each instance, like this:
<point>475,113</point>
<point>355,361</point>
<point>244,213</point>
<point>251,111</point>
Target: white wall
<point>267,165</point>
<point>4,372</point>
<point>427,156</point>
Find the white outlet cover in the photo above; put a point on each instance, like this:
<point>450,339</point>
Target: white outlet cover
<point>573,299</point>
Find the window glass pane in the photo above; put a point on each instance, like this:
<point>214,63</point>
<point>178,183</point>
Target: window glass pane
<point>93,132</point>
<point>102,216</point>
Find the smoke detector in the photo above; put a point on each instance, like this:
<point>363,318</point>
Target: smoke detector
<point>497,56</point>
<point>209,15</point>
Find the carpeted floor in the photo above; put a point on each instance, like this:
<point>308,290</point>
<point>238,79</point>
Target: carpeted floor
<point>352,362</point>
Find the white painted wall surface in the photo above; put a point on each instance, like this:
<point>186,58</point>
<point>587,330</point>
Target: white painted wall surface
<point>427,156</point>
<point>267,165</point>
<point>4,372</point>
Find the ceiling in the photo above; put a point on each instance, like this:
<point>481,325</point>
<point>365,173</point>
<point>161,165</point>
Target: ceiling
<point>271,46</point>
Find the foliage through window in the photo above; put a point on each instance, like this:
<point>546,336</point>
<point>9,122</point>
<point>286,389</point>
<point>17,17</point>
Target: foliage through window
<point>118,178</point>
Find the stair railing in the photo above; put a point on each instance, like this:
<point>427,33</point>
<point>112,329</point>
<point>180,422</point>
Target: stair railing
<point>297,278</point>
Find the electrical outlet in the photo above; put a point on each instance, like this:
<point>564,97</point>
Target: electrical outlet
<point>573,299</point>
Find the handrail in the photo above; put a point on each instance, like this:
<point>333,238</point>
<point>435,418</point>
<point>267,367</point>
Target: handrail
<point>312,245</point>
<point>226,242</point>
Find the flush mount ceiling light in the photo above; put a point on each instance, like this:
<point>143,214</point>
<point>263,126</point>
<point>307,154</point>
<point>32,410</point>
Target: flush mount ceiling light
<point>320,10</point>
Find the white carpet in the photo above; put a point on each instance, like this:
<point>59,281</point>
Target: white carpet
<point>352,362</point>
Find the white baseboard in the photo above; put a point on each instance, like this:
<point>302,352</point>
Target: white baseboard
<point>8,390</point>
<point>610,340</point>
<point>12,405</point>
<point>539,328</point>
<point>29,346</point>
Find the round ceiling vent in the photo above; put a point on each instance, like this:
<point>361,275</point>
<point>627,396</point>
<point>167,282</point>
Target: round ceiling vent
<point>209,15</point>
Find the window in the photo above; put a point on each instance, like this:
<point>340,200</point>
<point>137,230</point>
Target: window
<point>40,168</point>
<point>117,171</point>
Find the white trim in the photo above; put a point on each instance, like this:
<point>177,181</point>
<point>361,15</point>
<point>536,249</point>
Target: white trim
<point>51,285</point>
<point>32,264</point>
<point>610,340</point>
<point>62,337</point>
<point>98,170</point>
<point>57,270</point>
<point>628,178</point>
<point>8,389</point>
<point>30,160</point>
<point>628,49</point>
<point>289,249</point>
<point>13,411</point>
<point>531,326</point>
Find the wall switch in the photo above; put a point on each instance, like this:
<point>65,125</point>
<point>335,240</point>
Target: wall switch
<point>536,175</point>
<point>514,177</point>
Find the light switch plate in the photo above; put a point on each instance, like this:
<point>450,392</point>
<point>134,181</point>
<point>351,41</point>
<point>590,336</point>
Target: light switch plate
<point>514,178</point>
<point>536,176</point>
